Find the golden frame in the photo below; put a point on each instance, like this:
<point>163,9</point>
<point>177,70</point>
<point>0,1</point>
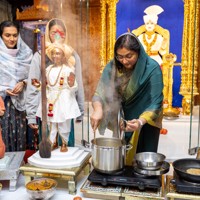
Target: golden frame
<point>190,44</point>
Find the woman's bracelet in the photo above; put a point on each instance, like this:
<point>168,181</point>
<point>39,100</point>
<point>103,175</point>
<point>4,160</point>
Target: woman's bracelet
<point>140,122</point>
<point>24,82</point>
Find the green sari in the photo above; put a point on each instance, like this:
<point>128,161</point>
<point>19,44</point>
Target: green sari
<point>141,98</point>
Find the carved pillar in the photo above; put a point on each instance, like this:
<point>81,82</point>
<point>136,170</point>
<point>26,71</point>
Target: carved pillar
<point>103,33</point>
<point>108,30</point>
<point>190,53</point>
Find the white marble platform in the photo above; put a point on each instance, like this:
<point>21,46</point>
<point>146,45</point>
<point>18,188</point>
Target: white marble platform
<point>4,162</point>
<point>74,157</point>
<point>11,170</point>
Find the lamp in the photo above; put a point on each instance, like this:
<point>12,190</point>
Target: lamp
<point>168,64</point>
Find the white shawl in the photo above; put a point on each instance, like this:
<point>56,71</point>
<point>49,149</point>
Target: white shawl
<point>14,67</point>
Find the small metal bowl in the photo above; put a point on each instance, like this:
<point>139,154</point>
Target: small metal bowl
<point>43,188</point>
<point>149,160</point>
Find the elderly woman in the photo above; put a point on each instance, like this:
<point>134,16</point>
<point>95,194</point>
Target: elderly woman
<point>15,58</point>
<point>132,84</point>
<point>55,32</point>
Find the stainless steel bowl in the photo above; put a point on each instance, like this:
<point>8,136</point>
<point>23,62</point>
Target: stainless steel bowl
<point>43,188</point>
<point>149,160</point>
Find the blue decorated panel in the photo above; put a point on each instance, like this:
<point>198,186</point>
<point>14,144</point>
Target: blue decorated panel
<point>130,16</point>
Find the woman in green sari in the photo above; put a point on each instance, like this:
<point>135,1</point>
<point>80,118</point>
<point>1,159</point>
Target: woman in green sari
<point>131,84</point>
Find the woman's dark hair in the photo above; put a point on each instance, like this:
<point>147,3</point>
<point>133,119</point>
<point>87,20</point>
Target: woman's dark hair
<point>5,24</point>
<point>128,41</point>
<point>57,22</point>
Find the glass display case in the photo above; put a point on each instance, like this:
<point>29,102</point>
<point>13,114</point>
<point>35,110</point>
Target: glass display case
<point>93,26</point>
<point>103,22</point>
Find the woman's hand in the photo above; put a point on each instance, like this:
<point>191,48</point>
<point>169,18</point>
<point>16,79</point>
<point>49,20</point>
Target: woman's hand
<point>95,119</point>
<point>18,88</point>
<point>35,82</point>
<point>33,126</point>
<point>96,116</point>
<point>132,125</point>
<point>10,93</point>
<point>2,111</point>
<point>71,79</point>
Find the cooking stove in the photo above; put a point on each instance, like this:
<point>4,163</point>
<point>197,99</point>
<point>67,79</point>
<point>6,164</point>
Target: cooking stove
<point>126,177</point>
<point>183,186</point>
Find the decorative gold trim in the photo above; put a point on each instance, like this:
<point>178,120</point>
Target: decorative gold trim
<point>108,30</point>
<point>103,33</point>
<point>38,11</point>
<point>168,65</point>
<point>190,53</point>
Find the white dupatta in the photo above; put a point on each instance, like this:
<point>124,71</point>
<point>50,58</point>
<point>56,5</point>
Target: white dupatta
<point>14,67</point>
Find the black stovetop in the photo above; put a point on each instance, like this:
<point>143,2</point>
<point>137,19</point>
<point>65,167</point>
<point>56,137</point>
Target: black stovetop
<point>183,186</point>
<point>126,177</point>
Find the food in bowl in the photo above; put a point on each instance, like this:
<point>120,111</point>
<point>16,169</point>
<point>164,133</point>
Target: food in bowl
<point>43,188</point>
<point>194,171</point>
<point>149,160</point>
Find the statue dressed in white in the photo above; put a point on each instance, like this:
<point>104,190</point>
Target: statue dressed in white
<point>154,43</point>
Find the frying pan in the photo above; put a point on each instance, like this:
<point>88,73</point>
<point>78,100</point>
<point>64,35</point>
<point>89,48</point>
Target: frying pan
<point>182,165</point>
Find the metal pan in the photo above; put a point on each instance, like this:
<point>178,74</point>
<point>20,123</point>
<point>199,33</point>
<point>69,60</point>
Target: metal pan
<point>182,165</point>
<point>149,160</point>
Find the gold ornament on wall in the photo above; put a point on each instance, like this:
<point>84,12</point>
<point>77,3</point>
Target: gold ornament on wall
<point>39,11</point>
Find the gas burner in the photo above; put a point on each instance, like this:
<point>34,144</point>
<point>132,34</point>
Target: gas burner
<point>183,186</point>
<point>126,178</point>
<point>139,175</point>
<point>163,170</point>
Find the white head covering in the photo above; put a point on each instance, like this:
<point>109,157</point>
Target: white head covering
<point>14,67</point>
<point>152,13</point>
<point>47,38</point>
<point>67,47</point>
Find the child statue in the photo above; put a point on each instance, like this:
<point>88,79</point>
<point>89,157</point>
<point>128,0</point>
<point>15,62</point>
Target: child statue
<point>61,86</point>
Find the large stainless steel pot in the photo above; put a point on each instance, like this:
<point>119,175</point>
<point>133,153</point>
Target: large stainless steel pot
<point>108,154</point>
